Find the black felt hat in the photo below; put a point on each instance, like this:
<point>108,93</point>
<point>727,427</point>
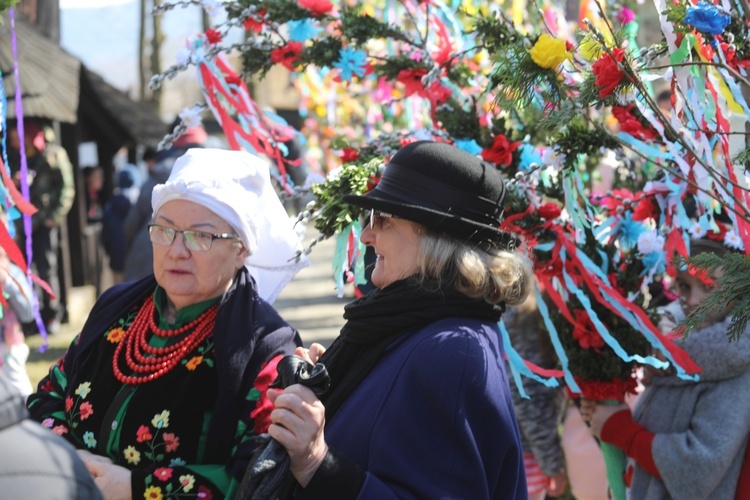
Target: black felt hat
<point>444,188</point>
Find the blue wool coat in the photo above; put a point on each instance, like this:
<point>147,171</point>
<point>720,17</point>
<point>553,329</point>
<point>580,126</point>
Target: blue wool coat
<point>434,418</point>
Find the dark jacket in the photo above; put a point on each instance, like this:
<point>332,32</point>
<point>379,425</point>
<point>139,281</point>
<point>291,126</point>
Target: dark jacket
<point>433,419</point>
<point>34,462</point>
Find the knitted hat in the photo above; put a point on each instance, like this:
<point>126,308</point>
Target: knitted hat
<point>236,186</point>
<point>444,188</point>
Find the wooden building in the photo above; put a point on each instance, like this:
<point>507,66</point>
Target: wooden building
<point>81,108</point>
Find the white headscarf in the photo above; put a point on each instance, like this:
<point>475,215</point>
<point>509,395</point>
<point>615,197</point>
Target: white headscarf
<point>236,186</point>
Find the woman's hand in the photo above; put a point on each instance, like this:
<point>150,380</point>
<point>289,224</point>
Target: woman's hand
<point>297,424</point>
<point>312,354</point>
<point>113,480</point>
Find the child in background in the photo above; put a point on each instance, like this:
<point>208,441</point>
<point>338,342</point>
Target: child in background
<point>687,438</point>
<point>13,349</point>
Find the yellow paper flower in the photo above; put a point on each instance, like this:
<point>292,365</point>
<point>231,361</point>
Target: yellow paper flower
<point>549,52</point>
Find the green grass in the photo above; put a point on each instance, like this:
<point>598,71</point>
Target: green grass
<point>39,363</point>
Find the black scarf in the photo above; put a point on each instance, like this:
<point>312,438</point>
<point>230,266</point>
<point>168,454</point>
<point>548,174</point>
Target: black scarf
<point>377,320</point>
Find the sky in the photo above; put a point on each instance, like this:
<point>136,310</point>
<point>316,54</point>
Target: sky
<point>104,35</point>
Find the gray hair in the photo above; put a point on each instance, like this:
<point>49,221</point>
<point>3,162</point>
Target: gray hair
<point>495,275</point>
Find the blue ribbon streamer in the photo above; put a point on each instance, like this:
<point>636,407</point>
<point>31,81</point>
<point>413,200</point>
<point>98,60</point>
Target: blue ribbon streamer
<point>518,367</point>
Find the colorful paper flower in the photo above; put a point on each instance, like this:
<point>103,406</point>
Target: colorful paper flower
<point>501,151</point>
<point>255,24</point>
<point>351,62</point>
<point>585,332</point>
<point>707,18</point>
<point>319,7</point>
<point>213,36</point>
<point>607,71</point>
<point>288,55</point>
<point>650,242</point>
<point>412,80</point>
<point>549,211</point>
<point>548,52</point>
<point>625,16</point>
<point>733,240</point>
<point>631,125</point>
<point>303,29</point>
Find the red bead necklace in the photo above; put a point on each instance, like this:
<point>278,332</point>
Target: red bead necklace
<point>150,363</point>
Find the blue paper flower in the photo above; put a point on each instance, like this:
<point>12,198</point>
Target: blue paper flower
<point>302,30</point>
<point>707,18</point>
<point>528,156</point>
<point>470,146</point>
<point>628,232</point>
<point>351,62</point>
<point>654,260</point>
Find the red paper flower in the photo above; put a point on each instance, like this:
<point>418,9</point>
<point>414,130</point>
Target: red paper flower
<point>349,155</point>
<point>549,211</point>
<point>288,55</point>
<point>631,125</point>
<point>412,80</point>
<point>645,208</point>
<point>607,71</point>
<point>213,36</point>
<point>251,24</point>
<point>618,196</point>
<point>585,332</point>
<point>320,7</point>
<point>436,93</point>
<point>501,152</point>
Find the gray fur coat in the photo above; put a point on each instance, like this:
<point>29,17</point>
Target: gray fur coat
<point>701,427</point>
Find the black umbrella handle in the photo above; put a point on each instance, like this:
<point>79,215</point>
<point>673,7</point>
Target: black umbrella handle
<point>293,369</point>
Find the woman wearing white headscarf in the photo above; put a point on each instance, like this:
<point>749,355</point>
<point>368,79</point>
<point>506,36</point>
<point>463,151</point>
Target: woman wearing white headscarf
<point>157,391</point>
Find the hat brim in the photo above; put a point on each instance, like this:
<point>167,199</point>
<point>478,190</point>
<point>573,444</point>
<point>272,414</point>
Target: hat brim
<point>459,227</point>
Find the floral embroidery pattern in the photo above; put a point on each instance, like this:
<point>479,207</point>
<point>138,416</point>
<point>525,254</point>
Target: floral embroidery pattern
<point>193,363</point>
<point>89,440</point>
<point>78,408</point>
<point>153,493</point>
<point>132,455</point>
<point>116,334</point>
<point>155,440</point>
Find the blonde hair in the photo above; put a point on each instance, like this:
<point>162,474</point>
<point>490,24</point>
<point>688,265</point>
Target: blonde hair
<point>495,275</point>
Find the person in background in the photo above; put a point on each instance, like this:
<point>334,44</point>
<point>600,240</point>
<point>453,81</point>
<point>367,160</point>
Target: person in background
<point>36,463</point>
<point>419,404</point>
<point>93,181</point>
<point>539,415</point>
<point>18,309</point>
<point>684,442</point>
<point>113,222</point>
<point>50,194</point>
<point>157,392</point>
<point>139,254</point>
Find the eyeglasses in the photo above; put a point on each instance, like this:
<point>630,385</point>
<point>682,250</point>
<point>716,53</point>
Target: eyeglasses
<point>195,241</point>
<point>375,217</point>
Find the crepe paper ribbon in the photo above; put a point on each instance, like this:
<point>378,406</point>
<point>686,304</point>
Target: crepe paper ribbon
<point>520,366</point>
<point>25,186</point>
